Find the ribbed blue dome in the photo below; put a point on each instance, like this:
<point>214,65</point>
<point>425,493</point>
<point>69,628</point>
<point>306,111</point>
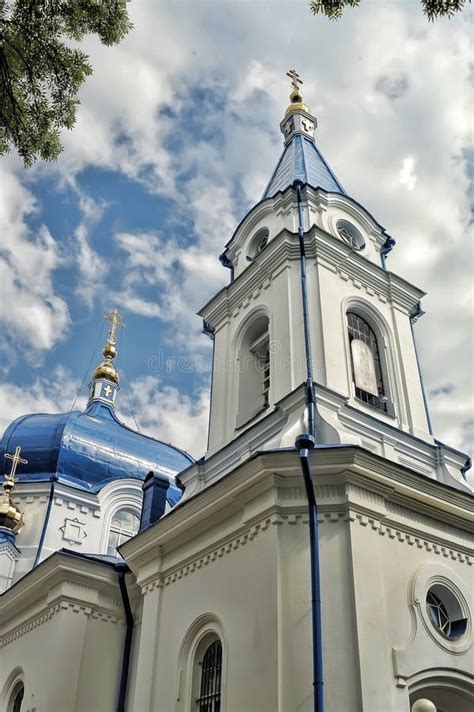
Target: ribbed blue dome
<point>88,448</point>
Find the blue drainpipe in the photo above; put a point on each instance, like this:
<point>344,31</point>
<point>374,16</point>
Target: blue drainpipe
<point>225,262</point>
<point>121,569</point>
<point>386,248</point>
<point>304,444</point>
<point>39,550</point>
<point>415,314</point>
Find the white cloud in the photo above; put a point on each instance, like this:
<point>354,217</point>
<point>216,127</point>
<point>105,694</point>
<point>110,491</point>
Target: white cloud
<point>168,414</point>
<point>42,396</point>
<point>92,268</point>
<point>407,175</point>
<point>31,311</point>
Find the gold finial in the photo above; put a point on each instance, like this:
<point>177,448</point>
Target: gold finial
<point>296,97</point>
<point>107,369</point>
<point>10,515</point>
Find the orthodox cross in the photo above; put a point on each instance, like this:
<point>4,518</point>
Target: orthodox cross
<point>295,78</point>
<point>16,460</point>
<point>117,323</point>
<point>107,391</point>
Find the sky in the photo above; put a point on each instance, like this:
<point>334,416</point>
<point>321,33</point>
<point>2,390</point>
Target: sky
<point>176,137</point>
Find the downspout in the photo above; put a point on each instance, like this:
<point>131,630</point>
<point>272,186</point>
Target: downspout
<point>39,550</point>
<point>307,337</point>
<point>386,248</point>
<point>415,314</point>
<point>210,331</point>
<point>225,262</point>
<point>467,466</point>
<point>304,443</point>
<point>122,569</point>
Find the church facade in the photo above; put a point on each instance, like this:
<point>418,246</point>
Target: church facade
<point>196,587</point>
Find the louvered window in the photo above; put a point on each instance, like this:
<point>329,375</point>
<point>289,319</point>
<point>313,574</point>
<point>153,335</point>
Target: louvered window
<point>365,361</point>
<point>209,699</point>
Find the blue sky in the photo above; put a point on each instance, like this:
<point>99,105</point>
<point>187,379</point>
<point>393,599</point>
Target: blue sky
<point>177,135</point>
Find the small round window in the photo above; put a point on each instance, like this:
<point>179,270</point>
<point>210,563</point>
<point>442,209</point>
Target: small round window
<point>445,613</point>
<point>350,234</point>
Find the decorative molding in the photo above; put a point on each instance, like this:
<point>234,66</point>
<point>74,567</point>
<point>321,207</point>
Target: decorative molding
<point>73,531</point>
<point>327,514</point>
<point>46,616</point>
<point>397,533</point>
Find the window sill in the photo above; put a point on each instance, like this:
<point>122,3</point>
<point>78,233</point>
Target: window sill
<point>254,417</point>
<point>372,410</point>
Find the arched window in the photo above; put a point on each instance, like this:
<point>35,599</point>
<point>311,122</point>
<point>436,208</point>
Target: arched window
<point>124,525</point>
<point>210,688</point>
<point>365,360</point>
<point>16,698</point>
<point>254,370</point>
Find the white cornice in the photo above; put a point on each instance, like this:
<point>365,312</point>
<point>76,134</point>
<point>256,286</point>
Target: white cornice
<point>330,252</point>
<point>179,537</point>
<point>62,579</point>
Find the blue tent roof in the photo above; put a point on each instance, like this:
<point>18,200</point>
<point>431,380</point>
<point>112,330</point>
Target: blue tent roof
<point>301,160</point>
<point>88,449</point>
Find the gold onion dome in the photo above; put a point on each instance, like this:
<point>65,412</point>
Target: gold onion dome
<point>107,369</point>
<point>10,515</point>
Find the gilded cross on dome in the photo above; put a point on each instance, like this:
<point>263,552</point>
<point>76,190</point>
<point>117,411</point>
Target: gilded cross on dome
<point>16,460</point>
<point>117,323</point>
<point>295,79</point>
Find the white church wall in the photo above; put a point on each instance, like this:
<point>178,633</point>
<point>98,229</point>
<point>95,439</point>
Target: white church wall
<point>238,554</point>
<point>62,625</point>
<point>395,343</point>
<point>79,520</point>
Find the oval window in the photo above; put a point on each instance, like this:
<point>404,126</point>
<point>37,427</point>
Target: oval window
<point>350,234</point>
<point>258,242</point>
<point>445,612</point>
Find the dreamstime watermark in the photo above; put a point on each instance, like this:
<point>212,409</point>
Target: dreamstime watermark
<point>161,363</point>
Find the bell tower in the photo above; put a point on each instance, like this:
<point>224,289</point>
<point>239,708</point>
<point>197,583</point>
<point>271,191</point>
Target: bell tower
<point>368,389</point>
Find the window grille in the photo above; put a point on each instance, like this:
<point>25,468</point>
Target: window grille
<point>211,679</point>
<point>438,613</point>
<point>359,329</point>
<point>266,379</point>
<point>124,525</point>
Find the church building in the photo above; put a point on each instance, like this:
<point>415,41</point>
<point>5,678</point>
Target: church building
<point>317,558</point>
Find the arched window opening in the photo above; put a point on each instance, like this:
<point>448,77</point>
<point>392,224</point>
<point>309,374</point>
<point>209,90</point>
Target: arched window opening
<point>258,243</point>
<point>16,698</point>
<point>210,692</point>
<point>254,371</point>
<point>365,361</point>
<point>442,696</point>
<point>123,526</point>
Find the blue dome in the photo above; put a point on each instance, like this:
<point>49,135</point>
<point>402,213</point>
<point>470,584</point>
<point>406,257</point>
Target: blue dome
<point>88,449</point>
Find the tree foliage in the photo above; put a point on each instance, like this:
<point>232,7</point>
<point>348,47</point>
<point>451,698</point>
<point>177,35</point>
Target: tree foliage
<point>433,9</point>
<point>41,70</point>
